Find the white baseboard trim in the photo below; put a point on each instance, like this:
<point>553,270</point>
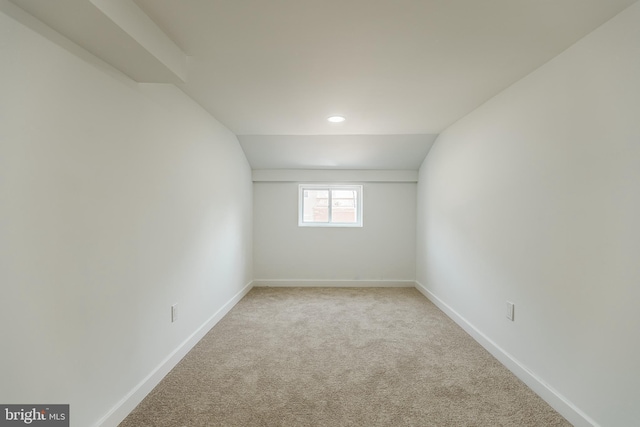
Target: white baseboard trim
<point>556,400</point>
<point>306,283</point>
<point>128,403</point>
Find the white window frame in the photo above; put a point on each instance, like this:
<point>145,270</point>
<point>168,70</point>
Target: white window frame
<point>350,187</point>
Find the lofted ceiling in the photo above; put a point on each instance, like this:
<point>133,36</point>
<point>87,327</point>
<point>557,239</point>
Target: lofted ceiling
<point>336,151</point>
<point>400,71</point>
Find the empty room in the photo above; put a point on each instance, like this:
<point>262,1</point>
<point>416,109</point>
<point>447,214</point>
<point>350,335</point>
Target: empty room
<point>319,213</point>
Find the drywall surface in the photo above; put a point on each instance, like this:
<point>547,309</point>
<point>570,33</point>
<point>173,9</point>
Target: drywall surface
<point>382,250</point>
<point>117,200</point>
<point>534,198</point>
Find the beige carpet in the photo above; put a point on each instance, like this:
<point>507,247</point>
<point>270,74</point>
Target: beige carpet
<point>339,357</point>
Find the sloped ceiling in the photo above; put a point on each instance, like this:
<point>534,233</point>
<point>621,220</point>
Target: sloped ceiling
<point>336,151</point>
<point>273,71</point>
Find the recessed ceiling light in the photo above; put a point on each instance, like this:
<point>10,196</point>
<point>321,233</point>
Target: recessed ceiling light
<point>336,119</point>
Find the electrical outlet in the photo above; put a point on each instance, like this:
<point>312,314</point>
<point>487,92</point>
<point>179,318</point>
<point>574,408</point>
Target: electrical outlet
<point>174,313</point>
<point>510,310</point>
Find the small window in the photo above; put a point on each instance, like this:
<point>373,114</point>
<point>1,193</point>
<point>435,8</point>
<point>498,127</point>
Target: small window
<point>330,206</point>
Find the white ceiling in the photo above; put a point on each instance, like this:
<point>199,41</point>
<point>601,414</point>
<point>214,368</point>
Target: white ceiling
<point>281,67</point>
<point>336,151</point>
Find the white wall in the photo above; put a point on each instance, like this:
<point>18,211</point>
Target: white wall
<point>116,201</point>
<point>381,252</point>
<point>535,198</point>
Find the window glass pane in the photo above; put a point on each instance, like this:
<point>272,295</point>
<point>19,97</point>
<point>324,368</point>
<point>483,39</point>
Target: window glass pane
<point>343,204</point>
<point>330,205</point>
<point>316,206</point>
<point>343,194</point>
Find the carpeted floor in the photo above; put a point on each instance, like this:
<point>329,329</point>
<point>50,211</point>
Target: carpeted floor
<point>339,357</point>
